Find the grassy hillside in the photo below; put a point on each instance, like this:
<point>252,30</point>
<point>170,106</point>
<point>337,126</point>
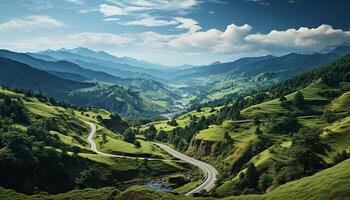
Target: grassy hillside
<point>120,100</point>
<point>269,133</point>
<point>55,138</point>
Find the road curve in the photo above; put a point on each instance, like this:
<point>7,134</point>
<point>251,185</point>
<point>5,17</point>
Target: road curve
<point>209,171</point>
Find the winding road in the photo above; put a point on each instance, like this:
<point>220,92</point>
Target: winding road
<point>209,171</point>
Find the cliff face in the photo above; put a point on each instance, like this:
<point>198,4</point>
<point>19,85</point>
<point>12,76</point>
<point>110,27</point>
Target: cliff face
<point>200,148</point>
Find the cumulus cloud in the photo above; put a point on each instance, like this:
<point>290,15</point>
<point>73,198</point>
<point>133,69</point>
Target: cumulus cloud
<point>212,40</point>
<point>109,10</point>
<point>31,23</point>
<point>303,38</point>
<point>189,24</point>
<point>240,39</point>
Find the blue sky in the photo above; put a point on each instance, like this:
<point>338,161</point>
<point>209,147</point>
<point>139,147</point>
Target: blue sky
<point>175,32</point>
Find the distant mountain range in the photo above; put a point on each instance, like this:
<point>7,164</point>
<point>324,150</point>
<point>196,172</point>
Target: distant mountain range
<point>73,71</point>
<point>68,81</point>
<point>19,75</point>
<point>221,79</point>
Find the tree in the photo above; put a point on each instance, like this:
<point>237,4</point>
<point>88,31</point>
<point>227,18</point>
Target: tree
<point>258,131</point>
<point>137,144</point>
<point>87,178</point>
<point>129,136</point>
<point>227,138</point>
<point>75,151</point>
<point>151,132</point>
<point>282,98</point>
<point>341,156</point>
<point>251,176</point>
<point>307,148</point>
<point>104,138</point>
<point>264,182</point>
<point>173,122</point>
<point>285,125</point>
<point>299,100</point>
<point>256,121</point>
<point>162,136</point>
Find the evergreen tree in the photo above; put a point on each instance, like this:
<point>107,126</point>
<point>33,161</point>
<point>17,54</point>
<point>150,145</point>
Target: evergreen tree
<point>251,176</point>
<point>299,100</point>
<point>129,136</point>
<point>151,132</point>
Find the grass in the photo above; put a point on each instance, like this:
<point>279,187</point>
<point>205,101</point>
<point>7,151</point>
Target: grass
<point>341,104</point>
<point>337,136</point>
<point>120,147</point>
<point>310,93</point>
<point>187,187</point>
<point>332,183</point>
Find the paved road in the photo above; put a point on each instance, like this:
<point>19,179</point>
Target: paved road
<point>209,171</point>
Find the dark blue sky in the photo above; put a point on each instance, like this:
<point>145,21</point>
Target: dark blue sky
<point>278,14</point>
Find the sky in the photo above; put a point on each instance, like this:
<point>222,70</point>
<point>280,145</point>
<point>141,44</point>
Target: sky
<point>176,32</point>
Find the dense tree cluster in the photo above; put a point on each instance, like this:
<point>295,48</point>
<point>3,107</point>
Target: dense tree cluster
<point>114,122</point>
<point>172,122</point>
<point>305,156</point>
<point>129,135</point>
<point>13,109</point>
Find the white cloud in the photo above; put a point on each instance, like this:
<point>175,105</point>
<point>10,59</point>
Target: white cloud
<point>31,23</point>
<point>189,24</point>
<point>240,39</point>
<point>109,10</point>
<point>123,7</point>
<point>151,22</point>
<point>300,39</point>
<point>111,19</point>
<point>212,40</point>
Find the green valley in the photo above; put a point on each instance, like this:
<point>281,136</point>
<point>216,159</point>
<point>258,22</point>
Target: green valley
<point>175,99</point>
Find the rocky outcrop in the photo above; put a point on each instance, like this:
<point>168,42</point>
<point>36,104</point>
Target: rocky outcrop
<point>201,148</point>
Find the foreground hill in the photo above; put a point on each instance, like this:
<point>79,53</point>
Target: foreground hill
<point>332,183</point>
